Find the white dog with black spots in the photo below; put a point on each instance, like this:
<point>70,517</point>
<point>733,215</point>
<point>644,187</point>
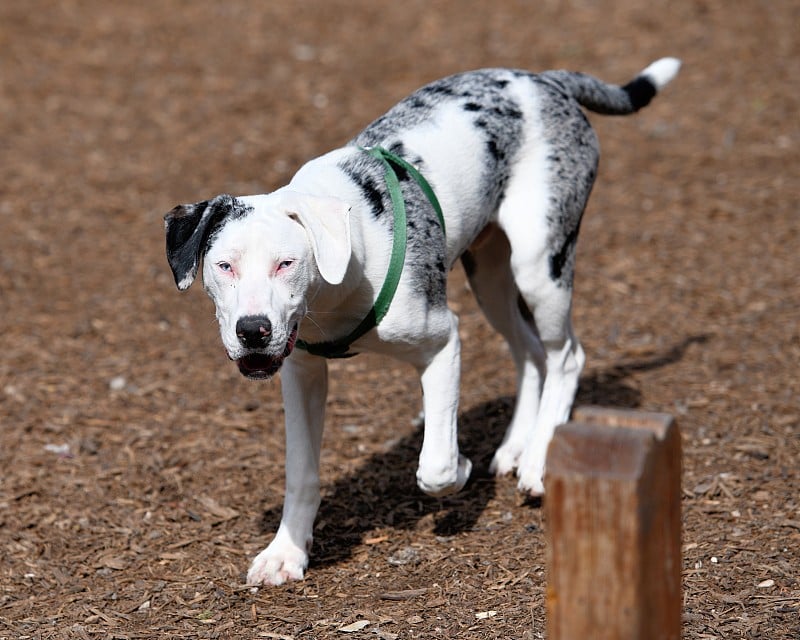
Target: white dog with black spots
<point>511,158</point>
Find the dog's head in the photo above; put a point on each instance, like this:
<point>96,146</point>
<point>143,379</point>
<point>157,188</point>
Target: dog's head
<point>262,256</point>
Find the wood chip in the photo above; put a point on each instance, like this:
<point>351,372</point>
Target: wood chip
<point>216,509</point>
<point>358,625</point>
<point>406,594</point>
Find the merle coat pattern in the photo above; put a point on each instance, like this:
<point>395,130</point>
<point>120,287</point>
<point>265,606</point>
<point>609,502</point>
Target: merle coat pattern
<point>512,159</point>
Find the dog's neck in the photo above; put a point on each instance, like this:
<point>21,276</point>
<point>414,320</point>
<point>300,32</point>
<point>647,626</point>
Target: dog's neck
<point>338,313</point>
<point>333,310</point>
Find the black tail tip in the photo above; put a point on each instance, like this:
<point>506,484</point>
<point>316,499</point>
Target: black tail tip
<point>640,91</point>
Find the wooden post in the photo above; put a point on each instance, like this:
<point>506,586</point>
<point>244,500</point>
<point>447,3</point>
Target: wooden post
<point>613,521</point>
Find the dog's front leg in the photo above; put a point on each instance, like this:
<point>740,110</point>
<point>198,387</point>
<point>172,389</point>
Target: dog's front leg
<point>442,470</point>
<point>304,381</point>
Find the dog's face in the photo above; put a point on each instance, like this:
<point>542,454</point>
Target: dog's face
<point>263,257</point>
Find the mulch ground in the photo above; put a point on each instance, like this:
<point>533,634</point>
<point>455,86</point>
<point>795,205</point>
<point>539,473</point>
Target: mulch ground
<point>140,473</point>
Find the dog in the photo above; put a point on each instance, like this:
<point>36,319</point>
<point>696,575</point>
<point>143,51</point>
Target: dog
<point>508,158</point>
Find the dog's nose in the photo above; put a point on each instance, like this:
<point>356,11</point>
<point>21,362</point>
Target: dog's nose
<point>254,331</point>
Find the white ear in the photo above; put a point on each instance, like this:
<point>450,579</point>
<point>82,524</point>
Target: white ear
<point>327,222</point>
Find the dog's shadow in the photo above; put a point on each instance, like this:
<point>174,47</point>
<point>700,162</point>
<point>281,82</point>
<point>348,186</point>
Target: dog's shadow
<point>383,492</point>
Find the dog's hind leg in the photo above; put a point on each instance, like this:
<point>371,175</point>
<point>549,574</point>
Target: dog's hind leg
<point>541,263</point>
<point>487,266</point>
<point>565,360</point>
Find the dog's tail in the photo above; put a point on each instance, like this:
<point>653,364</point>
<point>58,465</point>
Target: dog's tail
<point>614,100</point>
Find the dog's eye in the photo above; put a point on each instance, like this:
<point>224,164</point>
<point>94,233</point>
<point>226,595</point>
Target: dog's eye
<point>285,264</point>
<point>225,266</point>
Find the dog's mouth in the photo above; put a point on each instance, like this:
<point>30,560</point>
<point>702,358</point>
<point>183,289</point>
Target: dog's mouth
<point>261,366</point>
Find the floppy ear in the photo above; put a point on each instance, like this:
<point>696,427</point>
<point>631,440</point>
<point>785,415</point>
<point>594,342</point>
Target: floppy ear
<point>187,228</point>
<point>327,222</point>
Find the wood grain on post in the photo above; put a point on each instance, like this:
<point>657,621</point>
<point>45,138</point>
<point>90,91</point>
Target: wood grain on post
<point>612,503</point>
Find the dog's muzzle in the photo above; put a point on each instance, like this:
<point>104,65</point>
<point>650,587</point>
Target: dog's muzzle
<point>260,366</point>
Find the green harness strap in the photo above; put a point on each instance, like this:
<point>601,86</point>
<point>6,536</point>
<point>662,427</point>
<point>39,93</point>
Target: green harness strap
<point>340,348</point>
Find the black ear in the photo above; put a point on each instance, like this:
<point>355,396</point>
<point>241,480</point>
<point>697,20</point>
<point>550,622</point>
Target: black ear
<point>188,227</point>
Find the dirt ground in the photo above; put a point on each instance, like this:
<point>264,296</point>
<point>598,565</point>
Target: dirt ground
<point>141,473</point>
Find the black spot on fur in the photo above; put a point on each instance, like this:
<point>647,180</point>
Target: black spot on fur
<point>508,112</point>
<point>223,209</point>
<point>560,259</point>
<point>397,148</point>
<point>182,222</point>
<point>370,191</point>
<point>494,150</point>
<point>191,229</point>
<point>399,170</point>
<point>438,88</point>
<point>472,106</point>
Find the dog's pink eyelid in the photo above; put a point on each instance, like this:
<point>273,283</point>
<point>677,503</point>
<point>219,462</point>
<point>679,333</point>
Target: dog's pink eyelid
<point>225,266</point>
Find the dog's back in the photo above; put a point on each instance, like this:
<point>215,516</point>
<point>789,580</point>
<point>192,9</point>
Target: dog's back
<point>470,133</point>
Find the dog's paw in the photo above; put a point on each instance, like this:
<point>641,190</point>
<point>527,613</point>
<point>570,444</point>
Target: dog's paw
<point>531,483</point>
<point>530,475</point>
<point>443,483</point>
<point>530,472</point>
<point>505,460</point>
<point>280,562</point>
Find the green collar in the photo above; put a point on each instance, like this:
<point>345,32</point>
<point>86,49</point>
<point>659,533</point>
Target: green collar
<point>340,348</point>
